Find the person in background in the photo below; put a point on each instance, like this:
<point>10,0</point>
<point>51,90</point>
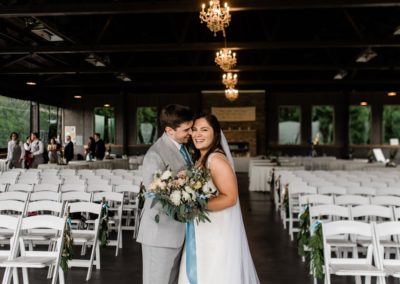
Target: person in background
<point>27,148</point>
<point>36,148</point>
<point>15,151</point>
<point>52,149</point>
<point>100,149</point>
<point>69,149</point>
<point>90,148</point>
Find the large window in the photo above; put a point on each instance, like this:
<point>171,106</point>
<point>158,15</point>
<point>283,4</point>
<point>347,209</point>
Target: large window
<point>49,122</point>
<point>391,123</point>
<point>104,124</point>
<point>14,117</point>
<point>146,125</point>
<point>359,124</point>
<point>289,125</point>
<point>322,124</point>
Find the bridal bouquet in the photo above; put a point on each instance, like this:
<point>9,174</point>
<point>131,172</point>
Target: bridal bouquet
<point>183,195</point>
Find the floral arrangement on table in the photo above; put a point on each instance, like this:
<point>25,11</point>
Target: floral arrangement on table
<point>311,237</point>
<point>67,251</point>
<point>183,196</point>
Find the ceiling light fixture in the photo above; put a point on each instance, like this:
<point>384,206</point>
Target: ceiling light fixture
<point>229,80</point>
<point>106,105</point>
<point>392,94</point>
<point>41,30</point>
<point>363,104</point>
<point>78,97</point>
<point>397,31</point>
<point>226,59</point>
<point>231,94</point>
<point>217,18</point>
<point>95,60</point>
<point>31,83</point>
<point>366,55</point>
<point>340,74</point>
<point>123,77</point>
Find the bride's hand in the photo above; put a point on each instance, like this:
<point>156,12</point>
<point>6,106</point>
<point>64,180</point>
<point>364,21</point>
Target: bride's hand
<point>224,179</point>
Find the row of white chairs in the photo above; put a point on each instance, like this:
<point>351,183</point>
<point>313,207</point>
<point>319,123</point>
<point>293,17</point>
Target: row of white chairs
<point>69,172</point>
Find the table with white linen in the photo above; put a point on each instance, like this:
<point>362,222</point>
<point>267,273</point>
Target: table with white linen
<point>3,165</point>
<point>79,165</point>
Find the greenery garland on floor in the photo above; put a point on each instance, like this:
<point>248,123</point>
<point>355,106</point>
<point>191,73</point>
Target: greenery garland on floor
<point>315,253</point>
<point>104,234</point>
<point>68,241</point>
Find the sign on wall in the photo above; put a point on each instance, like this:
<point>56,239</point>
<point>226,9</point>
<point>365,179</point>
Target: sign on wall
<point>234,113</point>
<point>71,131</point>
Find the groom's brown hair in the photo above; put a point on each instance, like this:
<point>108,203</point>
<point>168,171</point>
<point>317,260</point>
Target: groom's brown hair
<point>174,115</point>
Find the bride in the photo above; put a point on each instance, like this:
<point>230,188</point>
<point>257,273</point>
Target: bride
<point>221,253</point>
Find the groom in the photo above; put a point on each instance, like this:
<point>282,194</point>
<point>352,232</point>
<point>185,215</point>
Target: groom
<point>162,242</point>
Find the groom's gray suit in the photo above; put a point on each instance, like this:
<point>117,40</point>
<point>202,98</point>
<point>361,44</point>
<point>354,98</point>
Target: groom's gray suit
<point>161,242</point>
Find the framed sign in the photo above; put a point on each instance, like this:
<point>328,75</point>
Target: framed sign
<point>234,113</point>
<point>71,131</point>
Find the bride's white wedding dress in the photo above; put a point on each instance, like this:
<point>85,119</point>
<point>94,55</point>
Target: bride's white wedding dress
<point>222,251</point>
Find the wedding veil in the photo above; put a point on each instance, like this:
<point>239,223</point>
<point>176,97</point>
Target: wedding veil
<point>239,263</point>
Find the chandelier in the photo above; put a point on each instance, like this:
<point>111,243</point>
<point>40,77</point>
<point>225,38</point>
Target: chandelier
<point>226,59</point>
<point>217,18</point>
<point>229,80</point>
<point>231,94</point>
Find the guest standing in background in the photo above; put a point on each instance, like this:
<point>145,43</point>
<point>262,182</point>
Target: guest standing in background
<point>69,149</point>
<point>28,157</point>
<point>15,151</point>
<point>90,148</point>
<point>100,149</point>
<point>52,149</point>
<point>36,148</point>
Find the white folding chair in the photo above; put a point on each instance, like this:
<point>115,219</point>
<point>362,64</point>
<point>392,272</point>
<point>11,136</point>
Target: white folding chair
<point>20,187</point>
<point>46,187</point>
<point>314,199</point>
<point>87,237</point>
<point>120,172</point>
<point>119,180</point>
<point>103,172</point>
<point>130,206</point>
<point>97,181</point>
<point>366,191</point>
<point>73,181</point>
<point>14,195</point>
<point>73,187</point>
<point>67,173</point>
<point>56,180</point>
<point>351,200</point>
<point>388,191</point>
<point>332,190</point>
<point>386,200</point>
<point>38,259</point>
<point>3,187</point>
<point>72,196</point>
<point>11,225</point>
<point>293,195</point>
<point>45,195</point>
<point>99,187</point>
<point>115,201</point>
<point>355,266</point>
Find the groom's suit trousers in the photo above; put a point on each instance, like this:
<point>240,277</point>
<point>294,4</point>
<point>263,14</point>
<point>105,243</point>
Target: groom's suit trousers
<point>162,265</point>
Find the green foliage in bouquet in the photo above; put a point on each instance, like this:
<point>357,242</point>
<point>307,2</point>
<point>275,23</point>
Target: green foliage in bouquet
<point>183,196</point>
<point>103,233</point>
<point>67,252</point>
<point>304,234</point>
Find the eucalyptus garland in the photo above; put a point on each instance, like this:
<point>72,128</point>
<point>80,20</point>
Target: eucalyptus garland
<point>315,254</point>
<point>104,234</point>
<point>68,241</point>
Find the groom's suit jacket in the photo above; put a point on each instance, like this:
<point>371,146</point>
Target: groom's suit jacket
<point>167,233</point>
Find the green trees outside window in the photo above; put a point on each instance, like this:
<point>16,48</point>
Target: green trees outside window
<point>49,122</point>
<point>104,123</point>
<point>391,122</point>
<point>146,125</point>
<point>322,124</point>
<point>359,125</point>
<point>15,116</point>
<point>289,125</point>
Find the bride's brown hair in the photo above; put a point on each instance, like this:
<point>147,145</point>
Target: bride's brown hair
<point>216,143</point>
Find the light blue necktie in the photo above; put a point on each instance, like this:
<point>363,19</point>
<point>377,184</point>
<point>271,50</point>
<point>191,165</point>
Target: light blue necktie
<point>185,155</point>
<point>191,259</point>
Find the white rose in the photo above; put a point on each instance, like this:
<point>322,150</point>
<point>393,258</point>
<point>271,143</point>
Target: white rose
<point>176,197</point>
<point>186,196</point>
<point>166,175</point>
<point>189,190</point>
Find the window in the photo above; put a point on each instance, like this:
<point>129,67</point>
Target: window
<point>49,122</point>
<point>104,124</point>
<point>146,125</point>
<point>359,124</point>
<point>322,125</point>
<point>289,125</point>
<point>15,116</point>
<point>391,122</point>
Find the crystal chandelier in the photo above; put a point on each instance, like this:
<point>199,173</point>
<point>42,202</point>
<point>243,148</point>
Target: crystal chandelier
<point>226,59</point>
<point>231,94</point>
<point>217,18</point>
<point>229,80</point>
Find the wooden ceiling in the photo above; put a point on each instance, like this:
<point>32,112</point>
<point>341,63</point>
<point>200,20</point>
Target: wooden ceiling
<point>291,45</point>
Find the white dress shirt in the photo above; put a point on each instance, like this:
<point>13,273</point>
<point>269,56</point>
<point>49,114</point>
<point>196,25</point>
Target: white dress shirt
<point>10,149</point>
<point>36,147</point>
